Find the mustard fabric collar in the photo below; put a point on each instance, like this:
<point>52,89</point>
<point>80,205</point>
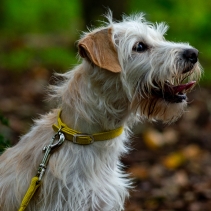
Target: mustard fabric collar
<point>82,138</point>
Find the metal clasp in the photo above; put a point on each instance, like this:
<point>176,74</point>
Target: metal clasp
<point>47,149</point>
<point>75,136</point>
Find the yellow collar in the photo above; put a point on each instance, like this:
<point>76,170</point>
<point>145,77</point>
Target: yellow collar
<point>82,138</point>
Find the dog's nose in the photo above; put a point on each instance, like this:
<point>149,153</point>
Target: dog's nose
<point>191,55</point>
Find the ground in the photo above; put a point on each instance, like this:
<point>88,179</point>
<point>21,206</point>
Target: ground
<point>171,165</point>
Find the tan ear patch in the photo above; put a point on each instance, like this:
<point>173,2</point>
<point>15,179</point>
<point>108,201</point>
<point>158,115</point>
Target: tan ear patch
<point>99,48</point>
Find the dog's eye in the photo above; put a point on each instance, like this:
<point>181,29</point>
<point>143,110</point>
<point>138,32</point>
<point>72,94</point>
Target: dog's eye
<point>139,47</point>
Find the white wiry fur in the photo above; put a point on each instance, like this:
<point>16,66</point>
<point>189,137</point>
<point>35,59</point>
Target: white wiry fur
<point>95,99</point>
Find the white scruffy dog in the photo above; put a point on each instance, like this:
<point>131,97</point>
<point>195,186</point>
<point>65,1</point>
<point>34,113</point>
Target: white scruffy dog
<point>129,72</point>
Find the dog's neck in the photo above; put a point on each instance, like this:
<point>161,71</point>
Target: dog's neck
<point>93,105</point>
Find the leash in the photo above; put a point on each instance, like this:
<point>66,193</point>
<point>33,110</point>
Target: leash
<point>63,132</point>
<point>36,181</point>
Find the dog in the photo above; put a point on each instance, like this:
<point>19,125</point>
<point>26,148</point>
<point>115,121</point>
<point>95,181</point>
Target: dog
<point>128,73</point>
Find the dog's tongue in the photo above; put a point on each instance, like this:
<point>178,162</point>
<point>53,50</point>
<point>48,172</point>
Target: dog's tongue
<point>180,88</point>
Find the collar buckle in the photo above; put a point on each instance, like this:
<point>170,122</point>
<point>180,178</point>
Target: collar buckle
<point>85,138</point>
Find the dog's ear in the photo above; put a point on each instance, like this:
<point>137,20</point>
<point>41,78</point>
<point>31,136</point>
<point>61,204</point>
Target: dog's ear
<point>99,48</point>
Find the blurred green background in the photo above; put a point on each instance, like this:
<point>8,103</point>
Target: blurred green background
<point>36,33</point>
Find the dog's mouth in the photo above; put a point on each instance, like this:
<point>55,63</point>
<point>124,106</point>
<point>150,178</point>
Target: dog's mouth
<point>174,93</point>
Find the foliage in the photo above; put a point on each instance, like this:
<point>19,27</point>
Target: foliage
<point>189,21</point>
<point>4,120</point>
<point>24,30</point>
<point>54,57</point>
<point>32,16</point>
<point>3,141</point>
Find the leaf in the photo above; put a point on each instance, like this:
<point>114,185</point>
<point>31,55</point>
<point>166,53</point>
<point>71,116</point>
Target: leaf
<point>192,152</point>
<point>153,139</point>
<point>174,160</point>
<point>4,143</point>
<point>138,171</point>
<point>4,120</point>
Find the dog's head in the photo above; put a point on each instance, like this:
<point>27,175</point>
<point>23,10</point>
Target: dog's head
<point>156,74</point>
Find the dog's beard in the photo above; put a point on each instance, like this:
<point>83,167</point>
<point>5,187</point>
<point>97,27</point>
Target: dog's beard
<point>174,90</point>
<point>166,99</point>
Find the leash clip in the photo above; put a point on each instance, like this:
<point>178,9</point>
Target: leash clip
<point>47,149</point>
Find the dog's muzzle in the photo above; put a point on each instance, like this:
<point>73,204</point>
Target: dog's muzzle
<point>177,93</point>
<point>174,94</point>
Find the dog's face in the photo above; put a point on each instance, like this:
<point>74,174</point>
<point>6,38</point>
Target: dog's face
<point>156,74</point>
